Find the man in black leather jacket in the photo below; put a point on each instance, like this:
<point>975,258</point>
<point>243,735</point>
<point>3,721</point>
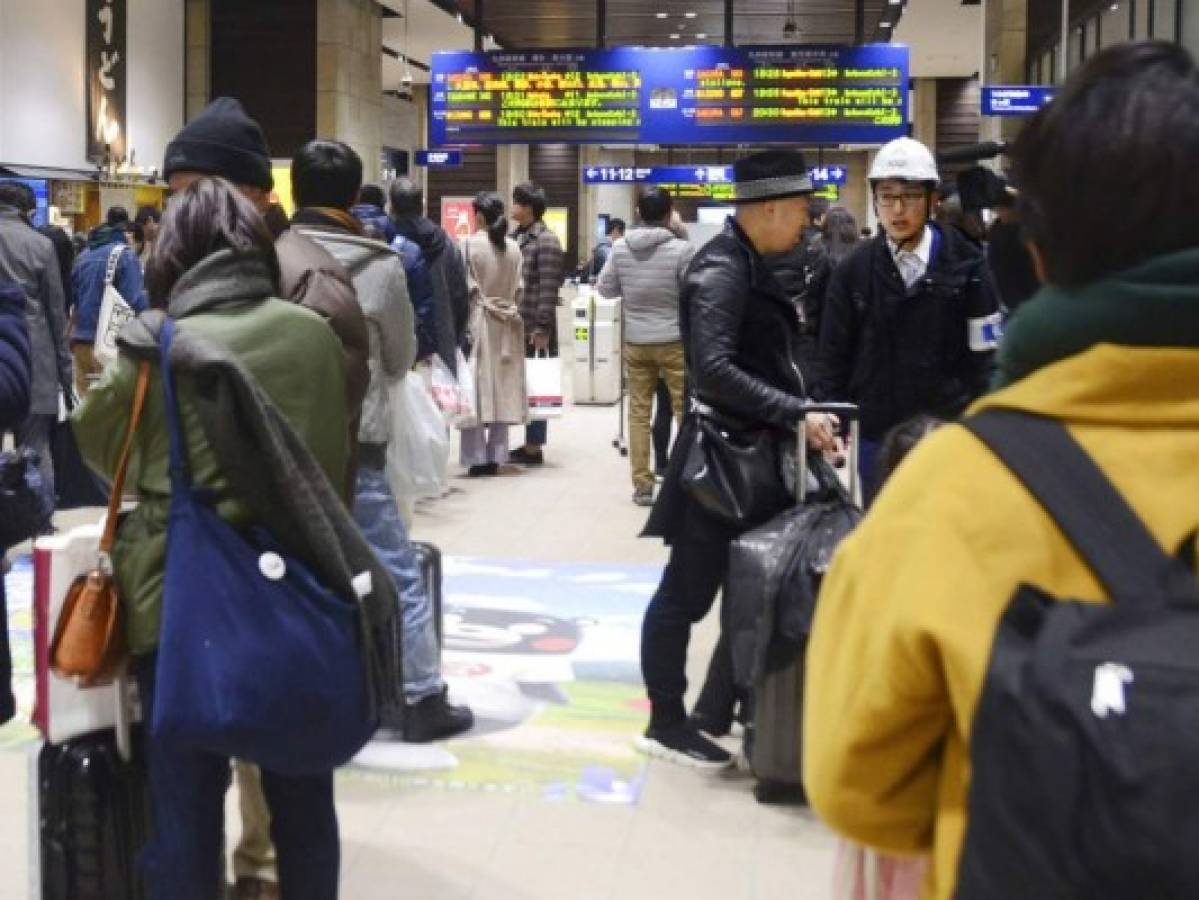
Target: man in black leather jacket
<point>740,337</point>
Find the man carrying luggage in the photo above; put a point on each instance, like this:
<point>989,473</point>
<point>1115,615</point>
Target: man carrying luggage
<point>919,603</point>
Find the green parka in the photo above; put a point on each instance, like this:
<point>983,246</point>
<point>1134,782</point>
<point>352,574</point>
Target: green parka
<point>292,353</point>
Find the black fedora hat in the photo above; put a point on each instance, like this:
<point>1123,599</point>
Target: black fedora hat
<point>770,175</point>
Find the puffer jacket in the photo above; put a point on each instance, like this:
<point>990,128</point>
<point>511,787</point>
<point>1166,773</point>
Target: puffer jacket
<point>375,217</point>
<point>28,259</point>
<point>420,289</point>
<point>447,275</point>
<point>227,300</point>
<point>898,352</point>
<point>740,337</point>
<point>378,275</point>
<point>645,269</point>
<point>14,357</point>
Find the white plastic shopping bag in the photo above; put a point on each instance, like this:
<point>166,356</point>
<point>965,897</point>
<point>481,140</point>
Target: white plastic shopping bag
<point>419,451</point>
<point>64,710</point>
<point>115,312</point>
<point>468,384</point>
<point>543,381</point>
<point>446,391</point>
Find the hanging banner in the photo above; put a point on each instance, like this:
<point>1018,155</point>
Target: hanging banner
<point>107,81</point>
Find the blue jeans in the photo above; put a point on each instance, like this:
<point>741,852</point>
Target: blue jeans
<point>185,857</point>
<point>868,470</point>
<point>376,513</point>
<point>537,433</point>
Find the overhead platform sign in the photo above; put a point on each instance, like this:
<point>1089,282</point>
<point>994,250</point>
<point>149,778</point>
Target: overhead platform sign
<point>695,174</point>
<point>1008,100</point>
<point>686,95</point>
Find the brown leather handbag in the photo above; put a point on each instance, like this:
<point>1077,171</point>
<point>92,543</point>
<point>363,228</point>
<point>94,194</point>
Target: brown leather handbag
<point>89,645</point>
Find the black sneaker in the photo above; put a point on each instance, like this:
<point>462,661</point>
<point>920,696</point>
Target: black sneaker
<point>486,470</point>
<point>523,457</point>
<point>684,745</point>
<point>714,726</point>
<point>435,719</point>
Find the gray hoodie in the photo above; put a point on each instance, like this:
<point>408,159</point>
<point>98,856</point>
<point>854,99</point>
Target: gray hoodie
<point>382,288</point>
<point>645,269</point>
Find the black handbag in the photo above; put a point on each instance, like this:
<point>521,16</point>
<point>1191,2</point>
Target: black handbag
<point>733,470</point>
<point>25,506</point>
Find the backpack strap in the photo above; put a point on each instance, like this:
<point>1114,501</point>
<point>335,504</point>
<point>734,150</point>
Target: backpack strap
<point>1097,521</point>
<point>114,260</point>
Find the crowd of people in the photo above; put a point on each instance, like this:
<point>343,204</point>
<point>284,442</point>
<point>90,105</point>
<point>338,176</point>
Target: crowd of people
<point>734,340</point>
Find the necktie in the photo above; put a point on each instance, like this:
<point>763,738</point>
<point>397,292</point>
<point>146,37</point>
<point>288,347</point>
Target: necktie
<point>909,267</point>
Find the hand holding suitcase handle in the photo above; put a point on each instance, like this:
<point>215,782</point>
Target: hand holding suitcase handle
<point>847,411</point>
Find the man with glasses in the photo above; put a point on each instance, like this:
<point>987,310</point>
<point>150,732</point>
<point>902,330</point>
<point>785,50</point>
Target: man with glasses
<point>911,320</point>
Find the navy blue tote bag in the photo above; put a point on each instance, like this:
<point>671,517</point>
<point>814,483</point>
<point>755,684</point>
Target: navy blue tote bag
<point>256,660</point>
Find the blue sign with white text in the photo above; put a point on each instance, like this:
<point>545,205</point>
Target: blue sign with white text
<point>672,95</point>
<point>1009,100</point>
<point>439,159</point>
<point>698,174</point>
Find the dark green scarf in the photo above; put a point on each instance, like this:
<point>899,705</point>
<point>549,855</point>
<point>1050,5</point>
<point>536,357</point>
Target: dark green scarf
<point>1155,304</point>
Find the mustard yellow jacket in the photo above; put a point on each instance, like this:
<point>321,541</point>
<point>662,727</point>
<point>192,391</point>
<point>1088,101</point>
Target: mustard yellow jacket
<point>902,638</point>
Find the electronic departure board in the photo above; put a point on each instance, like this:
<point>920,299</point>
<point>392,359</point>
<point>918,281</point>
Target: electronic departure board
<point>686,95</point>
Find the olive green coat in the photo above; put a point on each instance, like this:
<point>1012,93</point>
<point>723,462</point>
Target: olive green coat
<point>293,354</point>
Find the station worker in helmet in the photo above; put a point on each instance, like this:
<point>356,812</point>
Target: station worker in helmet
<point>912,319</point>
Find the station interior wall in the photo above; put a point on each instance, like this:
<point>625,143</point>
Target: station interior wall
<point>43,83</point>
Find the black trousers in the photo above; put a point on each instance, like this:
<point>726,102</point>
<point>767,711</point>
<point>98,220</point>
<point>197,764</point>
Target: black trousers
<point>663,423</point>
<point>8,707</point>
<point>699,559</point>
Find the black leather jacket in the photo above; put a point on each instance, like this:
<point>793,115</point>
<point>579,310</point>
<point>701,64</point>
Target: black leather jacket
<point>740,338</point>
<point>741,334</point>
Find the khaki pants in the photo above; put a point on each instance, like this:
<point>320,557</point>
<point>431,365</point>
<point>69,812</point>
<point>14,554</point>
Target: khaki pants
<point>255,854</point>
<point>647,363</point>
<point>87,368</point>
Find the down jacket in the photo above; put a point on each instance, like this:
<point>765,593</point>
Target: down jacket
<point>645,269</point>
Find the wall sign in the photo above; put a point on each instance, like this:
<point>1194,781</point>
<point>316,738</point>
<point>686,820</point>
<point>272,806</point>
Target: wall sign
<point>107,68</point>
<point>1006,100</point>
<point>439,159</point>
<point>712,175</point>
<point>686,95</point>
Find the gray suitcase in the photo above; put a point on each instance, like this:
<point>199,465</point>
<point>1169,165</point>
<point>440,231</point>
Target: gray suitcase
<point>774,735</point>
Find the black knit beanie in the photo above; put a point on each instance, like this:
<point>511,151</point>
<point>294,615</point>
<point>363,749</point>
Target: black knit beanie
<point>222,140</point>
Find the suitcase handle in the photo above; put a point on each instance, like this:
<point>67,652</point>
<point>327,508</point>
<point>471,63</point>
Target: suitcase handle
<point>848,411</point>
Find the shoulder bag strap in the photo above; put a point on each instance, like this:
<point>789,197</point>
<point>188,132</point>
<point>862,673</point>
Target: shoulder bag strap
<point>114,260</point>
<point>1104,530</point>
<point>118,482</point>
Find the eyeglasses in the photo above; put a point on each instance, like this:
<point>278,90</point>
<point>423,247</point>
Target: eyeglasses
<point>907,198</point>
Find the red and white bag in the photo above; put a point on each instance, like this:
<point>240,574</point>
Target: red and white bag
<point>865,874</point>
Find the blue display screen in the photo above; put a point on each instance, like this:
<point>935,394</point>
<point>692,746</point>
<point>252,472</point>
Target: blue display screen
<point>1009,100</point>
<point>686,95</point>
<point>41,192</point>
<point>439,159</point>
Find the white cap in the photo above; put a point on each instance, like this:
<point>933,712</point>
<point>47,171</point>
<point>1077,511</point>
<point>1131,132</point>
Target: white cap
<point>906,160</point>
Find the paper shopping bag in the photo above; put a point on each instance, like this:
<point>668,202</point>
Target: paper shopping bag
<point>543,380</point>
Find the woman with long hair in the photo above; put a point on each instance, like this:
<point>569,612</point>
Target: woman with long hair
<point>214,275</point>
<point>839,235</point>
<point>497,337</point>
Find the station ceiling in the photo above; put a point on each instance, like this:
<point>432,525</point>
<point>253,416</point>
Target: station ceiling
<point>663,23</point>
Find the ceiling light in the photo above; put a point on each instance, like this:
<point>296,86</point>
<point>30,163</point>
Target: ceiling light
<point>689,15</point>
<point>1115,7</point>
<point>702,35</point>
<point>660,15</point>
<point>885,24</point>
<point>675,36</point>
<point>895,2</point>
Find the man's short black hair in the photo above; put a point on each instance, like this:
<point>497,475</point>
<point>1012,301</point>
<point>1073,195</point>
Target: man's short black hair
<point>407,198</point>
<point>528,194</point>
<point>615,225</point>
<point>1129,119</point>
<point>654,204</point>
<point>326,173</point>
<point>372,195</point>
<point>118,217</point>
<point>817,207</point>
<point>147,214</point>
<point>18,195</point>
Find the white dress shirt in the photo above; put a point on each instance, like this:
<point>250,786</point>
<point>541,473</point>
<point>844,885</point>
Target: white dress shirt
<point>912,264</point>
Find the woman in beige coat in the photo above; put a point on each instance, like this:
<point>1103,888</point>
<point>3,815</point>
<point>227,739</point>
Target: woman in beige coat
<point>497,336</point>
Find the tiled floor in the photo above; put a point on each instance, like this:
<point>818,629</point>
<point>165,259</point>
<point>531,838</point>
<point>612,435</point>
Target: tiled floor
<point>689,835</point>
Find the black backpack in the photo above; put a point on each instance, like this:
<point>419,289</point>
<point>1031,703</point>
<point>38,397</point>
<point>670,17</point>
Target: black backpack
<point>1085,748</point>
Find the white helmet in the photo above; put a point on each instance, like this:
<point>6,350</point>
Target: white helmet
<point>905,159</point>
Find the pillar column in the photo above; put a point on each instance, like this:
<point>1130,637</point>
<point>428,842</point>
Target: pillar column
<point>349,77</point>
<point>197,49</point>
<point>1006,42</point>
<point>511,168</point>
<point>924,111</point>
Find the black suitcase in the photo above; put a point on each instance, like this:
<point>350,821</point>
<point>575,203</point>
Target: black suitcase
<point>94,819</point>
<point>428,557</point>
<point>774,735</point>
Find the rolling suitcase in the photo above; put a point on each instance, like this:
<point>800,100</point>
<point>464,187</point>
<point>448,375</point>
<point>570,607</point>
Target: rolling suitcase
<point>93,819</point>
<point>774,736</point>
